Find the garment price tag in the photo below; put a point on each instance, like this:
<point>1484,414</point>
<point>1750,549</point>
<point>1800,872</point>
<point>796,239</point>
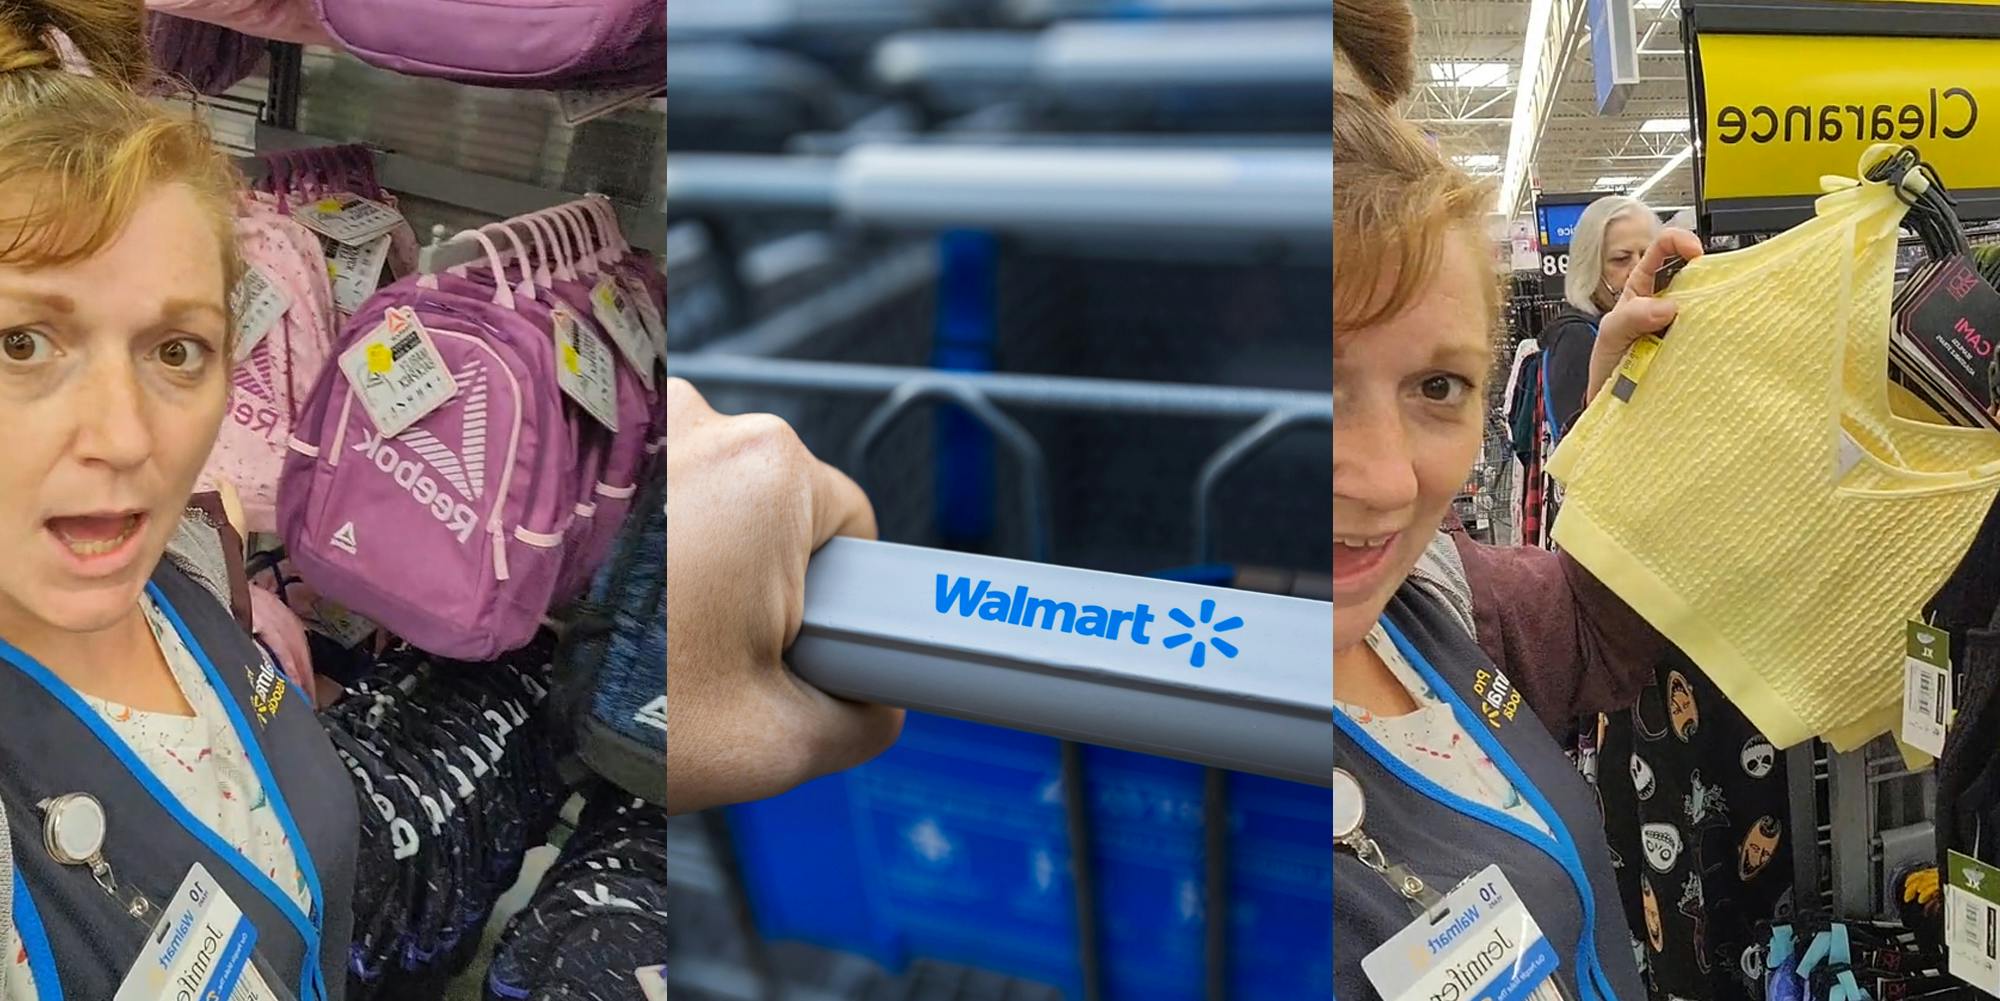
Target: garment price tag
<point>199,948</point>
<point>257,303</point>
<point>348,218</point>
<point>585,368</point>
<point>652,982</point>
<point>355,271</point>
<point>1637,358</point>
<point>1481,943</point>
<point>620,318</point>
<point>336,622</point>
<point>398,373</point>
<point>580,106</point>
<point>1972,921</point>
<point>1926,687</point>
<point>649,314</point>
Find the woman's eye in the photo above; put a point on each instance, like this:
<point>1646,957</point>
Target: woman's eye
<point>183,353</point>
<point>1446,389</point>
<point>24,346</point>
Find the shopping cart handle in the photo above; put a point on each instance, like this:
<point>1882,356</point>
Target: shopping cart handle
<point>1234,679</point>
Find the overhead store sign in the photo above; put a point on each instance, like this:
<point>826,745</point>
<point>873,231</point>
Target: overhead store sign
<point>1787,94</point>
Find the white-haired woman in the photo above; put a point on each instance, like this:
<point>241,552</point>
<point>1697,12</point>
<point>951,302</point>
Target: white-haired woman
<point>1610,237</point>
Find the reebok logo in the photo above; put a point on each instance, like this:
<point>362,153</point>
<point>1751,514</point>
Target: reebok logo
<point>256,407</point>
<point>1021,607</point>
<point>463,471</point>
<point>343,539</point>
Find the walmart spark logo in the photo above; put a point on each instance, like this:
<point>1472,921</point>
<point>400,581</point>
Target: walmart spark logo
<point>982,599</point>
<point>1202,634</point>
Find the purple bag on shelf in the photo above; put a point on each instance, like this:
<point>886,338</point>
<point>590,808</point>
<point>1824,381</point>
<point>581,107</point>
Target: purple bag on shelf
<point>531,44</point>
<point>449,534</point>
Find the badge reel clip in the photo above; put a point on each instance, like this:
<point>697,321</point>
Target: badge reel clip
<point>1350,808</point>
<point>73,827</point>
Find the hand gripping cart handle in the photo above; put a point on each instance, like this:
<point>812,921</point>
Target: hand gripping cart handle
<point>1226,678</point>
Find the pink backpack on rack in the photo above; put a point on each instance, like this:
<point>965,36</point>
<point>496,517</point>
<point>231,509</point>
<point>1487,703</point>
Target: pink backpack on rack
<point>278,20</point>
<point>449,534</point>
<point>269,385</point>
<point>537,44</point>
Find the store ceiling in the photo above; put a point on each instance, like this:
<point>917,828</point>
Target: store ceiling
<point>1469,56</point>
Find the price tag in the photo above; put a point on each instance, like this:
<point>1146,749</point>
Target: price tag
<point>256,302</point>
<point>620,318</point>
<point>1926,686</point>
<point>649,314</point>
<point>1481,943</point>
<point>200,948</point>
<point>580,106</point>
<point>355,271</point>
<point>652,982</point>
<point>1637,358</point>
<point>1972,921</point>
<point>585,368</point>
<point>398,373</point>
<point>333,620</point>
<point>348,218</point>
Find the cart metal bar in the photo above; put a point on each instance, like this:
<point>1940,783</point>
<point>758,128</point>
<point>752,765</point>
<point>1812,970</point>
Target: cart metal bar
<point>1176,194</point>
<point>1083,870</point>
<point>1050,392</point>
<point>1040,11</point>
<point>1027,451</point>
<point>1080,56</point>
<point>498,197</point>
<point>724,181</point>
<point>879,282</point>
<point>1231,679</point>
<point>1233,453</point>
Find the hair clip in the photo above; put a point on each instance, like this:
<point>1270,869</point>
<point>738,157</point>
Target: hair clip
<point>70,57</point>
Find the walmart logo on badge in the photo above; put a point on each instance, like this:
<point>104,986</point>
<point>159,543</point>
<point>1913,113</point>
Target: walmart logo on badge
<point>969,598</point>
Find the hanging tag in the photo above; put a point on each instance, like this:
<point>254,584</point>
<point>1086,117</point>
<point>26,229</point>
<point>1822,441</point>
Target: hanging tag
<point>333,620</point>
<point>652,982</point>
<point>257,303</point>
<point>1482,943</point>
<point>584,367</point>
<point>580,106</point>
<point>1926,686</point>
<point>1972,921</point>
<point>649,315</point>
<point>198,949</point>
<point>355,271</point>
<point>620,318</point>
<point>1637,358</point>
<point>348,218</point>
<point>398,372</point>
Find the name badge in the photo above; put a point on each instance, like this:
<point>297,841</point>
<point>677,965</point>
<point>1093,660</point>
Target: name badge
<point>1480,945</point>
<point>199,949</point>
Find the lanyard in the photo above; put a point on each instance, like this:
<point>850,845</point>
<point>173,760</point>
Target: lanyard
<point>1350,807</point>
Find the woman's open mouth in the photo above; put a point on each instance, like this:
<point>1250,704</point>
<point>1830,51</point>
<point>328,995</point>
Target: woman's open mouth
<point>97,543</point>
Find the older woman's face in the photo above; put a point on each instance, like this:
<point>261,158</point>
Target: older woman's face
<point>1625,241</point>
<point>1407,410</point>
<point>113,380</point>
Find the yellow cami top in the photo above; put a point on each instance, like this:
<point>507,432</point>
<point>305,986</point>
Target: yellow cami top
<point>1765,497</point>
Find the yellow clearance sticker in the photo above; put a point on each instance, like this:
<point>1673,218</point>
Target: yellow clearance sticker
<point>380,361</point>
<point>1784,110</point>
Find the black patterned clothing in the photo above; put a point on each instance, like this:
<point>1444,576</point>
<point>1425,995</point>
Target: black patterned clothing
<point>1694,802</point>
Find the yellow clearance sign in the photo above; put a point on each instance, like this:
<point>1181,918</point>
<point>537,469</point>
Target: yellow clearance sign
<point>1783,110</point>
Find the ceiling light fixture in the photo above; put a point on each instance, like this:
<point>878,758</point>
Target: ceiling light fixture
<point>1664,125</point>
<point>1521,136</point>
<point>1686,154</point>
